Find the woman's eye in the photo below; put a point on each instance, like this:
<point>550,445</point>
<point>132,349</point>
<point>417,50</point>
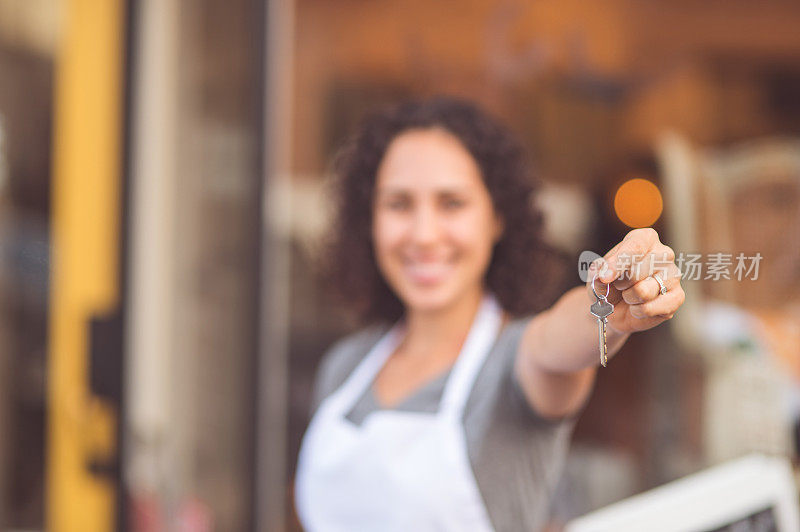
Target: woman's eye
<point>453,203</point>
<point>397,205</point>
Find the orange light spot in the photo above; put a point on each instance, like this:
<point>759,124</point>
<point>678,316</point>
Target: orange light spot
<point>638,203</point>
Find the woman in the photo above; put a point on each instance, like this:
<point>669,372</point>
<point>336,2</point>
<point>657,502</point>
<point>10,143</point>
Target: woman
<point>452,410</point>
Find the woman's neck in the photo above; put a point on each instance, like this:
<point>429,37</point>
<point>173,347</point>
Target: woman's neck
<point>441,331</point>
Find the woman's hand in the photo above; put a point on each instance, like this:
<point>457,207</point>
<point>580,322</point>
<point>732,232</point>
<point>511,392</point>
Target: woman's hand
<point>558,354</point>
<point>628,267</point>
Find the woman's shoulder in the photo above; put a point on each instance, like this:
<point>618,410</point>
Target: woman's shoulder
<point>341,358</point>
<point>515,327</point>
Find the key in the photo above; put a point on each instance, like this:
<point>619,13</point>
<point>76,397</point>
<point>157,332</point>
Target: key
<point>601,310</point>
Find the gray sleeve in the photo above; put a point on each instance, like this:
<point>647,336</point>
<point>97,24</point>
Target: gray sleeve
<point>516,395</point>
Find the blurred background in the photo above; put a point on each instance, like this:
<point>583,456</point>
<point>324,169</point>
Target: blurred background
<point>162,173</point>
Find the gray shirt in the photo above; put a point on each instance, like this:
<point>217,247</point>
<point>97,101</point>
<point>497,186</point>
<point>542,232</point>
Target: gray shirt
<point>516,455</point>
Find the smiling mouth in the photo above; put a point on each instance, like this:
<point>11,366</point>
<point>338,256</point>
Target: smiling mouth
<point>428,273</point>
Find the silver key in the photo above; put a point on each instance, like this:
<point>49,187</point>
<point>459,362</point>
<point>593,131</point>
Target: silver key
<point>601,310</point>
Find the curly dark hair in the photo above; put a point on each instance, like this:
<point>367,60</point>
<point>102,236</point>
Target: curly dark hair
<point>525,273</point>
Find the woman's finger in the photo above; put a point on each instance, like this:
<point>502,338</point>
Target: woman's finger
<point>665,305</point>
<point>648,288</point>
<point>638,268</point>
<point>636,243</point>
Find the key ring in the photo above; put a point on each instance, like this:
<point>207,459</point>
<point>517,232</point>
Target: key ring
<point>598,296</point>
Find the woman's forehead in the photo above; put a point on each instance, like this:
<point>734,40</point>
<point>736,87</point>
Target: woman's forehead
<point>427,159</point>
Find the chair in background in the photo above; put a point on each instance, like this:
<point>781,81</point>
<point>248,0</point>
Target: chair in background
<point>743,199</point>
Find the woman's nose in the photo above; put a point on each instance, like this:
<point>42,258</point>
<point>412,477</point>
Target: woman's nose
<point>426,227</point>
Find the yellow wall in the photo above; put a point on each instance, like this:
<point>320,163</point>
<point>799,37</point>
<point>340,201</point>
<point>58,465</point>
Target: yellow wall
<point>85,229</point>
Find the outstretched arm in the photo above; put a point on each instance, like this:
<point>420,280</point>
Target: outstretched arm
<point>558,355</point>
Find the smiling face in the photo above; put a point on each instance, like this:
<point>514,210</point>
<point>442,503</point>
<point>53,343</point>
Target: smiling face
<point>433,221</point>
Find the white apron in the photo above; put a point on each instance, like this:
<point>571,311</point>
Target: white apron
<point>397,471</point>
